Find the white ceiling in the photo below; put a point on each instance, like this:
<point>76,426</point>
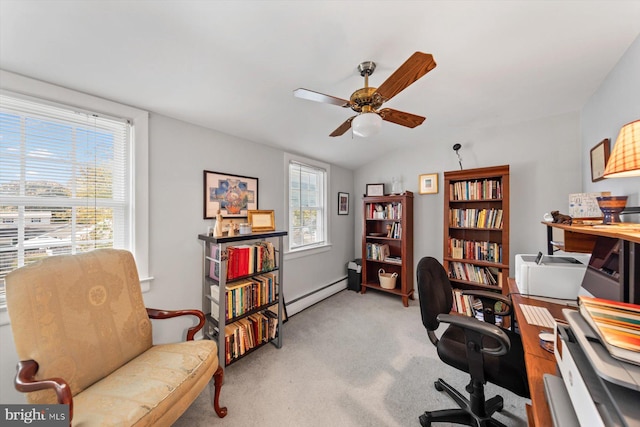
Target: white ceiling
<point>232,65</point>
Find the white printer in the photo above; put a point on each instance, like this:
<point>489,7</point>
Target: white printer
<point>555,276</point>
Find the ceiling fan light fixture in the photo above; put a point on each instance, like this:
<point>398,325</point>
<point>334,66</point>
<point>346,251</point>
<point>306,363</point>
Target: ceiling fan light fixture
<point>366,124</point>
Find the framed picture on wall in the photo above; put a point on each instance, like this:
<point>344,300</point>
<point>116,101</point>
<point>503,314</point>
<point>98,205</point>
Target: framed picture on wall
<point>599,159</point>
<point>375,190</point>
<point>428,183</point>
<point>343,203</point>
<point>233,195</point>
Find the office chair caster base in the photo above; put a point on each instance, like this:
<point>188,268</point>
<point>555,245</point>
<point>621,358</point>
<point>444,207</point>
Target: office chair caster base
<point>465,414</point>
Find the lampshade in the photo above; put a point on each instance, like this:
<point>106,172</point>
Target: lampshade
<point>625,159</point>
<point>366,124</point>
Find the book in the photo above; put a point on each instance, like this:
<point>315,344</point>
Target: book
<point>617,325</point>
<point>214,262</point>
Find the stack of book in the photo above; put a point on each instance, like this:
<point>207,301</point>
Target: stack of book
<point>474,273</point>
<point>243,260</point>
<point>378,252</point>
<point>616,323</point>
<point>480,250</point>
<point>476,218</point>
<point>476,190</point>
<point>245,295</point>
<point>245,334</point>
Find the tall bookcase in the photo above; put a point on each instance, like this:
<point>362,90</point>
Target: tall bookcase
<point>476,228</point>
<point>242,292</point>
<point>387,243</point>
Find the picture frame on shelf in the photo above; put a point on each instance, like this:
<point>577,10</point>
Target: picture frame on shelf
<point>375,190</point>
<point>261,220</point>
<point>343,203</point>
<point>428,183</point>
<point>233,195</point>
<point>599,158</point>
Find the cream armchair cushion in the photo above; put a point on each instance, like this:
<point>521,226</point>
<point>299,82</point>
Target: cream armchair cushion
<point>82,319</point>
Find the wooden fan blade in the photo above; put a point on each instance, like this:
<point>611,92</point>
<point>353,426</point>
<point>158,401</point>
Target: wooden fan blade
<point>401,118</point>
<point>343,127</point>
<point>413,68</point>
<point>320,97</point>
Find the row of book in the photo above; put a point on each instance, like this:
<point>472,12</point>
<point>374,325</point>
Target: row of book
<point>245,334</point>
<point>384,211</point>
<point>476,190</point>
<point>473,273</point>
<point>378,252</point>
<point>471,249</point>
<point>470,306</point>
<point>243,260</point>
<point>476,218</point>
<point>395,231</point>
<point>245,295</point>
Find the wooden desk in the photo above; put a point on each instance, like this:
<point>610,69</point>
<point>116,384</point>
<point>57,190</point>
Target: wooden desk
<point>582,238</point>
<point>538,360</point>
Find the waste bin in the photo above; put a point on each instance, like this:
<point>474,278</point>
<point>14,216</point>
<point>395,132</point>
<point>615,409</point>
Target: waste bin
<point>354,268</point>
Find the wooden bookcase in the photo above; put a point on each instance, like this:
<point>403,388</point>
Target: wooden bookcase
<point>476,228</point>
<point>241,300</point>
<point>388,223</point>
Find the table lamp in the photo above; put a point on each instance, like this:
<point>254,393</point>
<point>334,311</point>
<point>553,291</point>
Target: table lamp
<point>625,158</point>
<point>623,162</point>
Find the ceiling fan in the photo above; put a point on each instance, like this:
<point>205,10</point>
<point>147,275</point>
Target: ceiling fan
<point>367,101</point>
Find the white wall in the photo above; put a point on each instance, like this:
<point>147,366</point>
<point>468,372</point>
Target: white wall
<point>179,152</point>
<point>544,168</point>
<point>615,103</point>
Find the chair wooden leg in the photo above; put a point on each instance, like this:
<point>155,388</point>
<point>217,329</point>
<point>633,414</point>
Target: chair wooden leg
<point>218,378</point>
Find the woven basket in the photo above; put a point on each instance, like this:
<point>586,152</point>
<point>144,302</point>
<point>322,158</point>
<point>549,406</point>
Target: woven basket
<point>387,280</point>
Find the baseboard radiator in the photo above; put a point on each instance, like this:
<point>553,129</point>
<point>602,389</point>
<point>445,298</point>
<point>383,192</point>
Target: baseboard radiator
<point>314,297</point>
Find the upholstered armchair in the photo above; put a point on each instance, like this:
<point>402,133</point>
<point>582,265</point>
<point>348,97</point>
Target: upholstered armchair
<point>83,338</point>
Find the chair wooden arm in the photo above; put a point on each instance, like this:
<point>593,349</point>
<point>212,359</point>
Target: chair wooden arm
<point>25,382</point>
<point>166,314</point>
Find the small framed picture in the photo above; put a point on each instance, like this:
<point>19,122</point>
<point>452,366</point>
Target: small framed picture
<point>599,159</point>
<point>261,220</point>
<point>375,189</point>
<point>428,183</point>
<point>343,203</point>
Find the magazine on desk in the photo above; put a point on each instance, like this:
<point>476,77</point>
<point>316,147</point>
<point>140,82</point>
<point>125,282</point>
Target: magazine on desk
<point>617,324</point>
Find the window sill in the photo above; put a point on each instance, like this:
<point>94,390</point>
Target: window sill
<point>299,253</point>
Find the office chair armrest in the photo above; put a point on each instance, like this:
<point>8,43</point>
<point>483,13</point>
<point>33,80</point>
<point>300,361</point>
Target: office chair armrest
<point>166,314</point>
<point>482,328</point>
<point>26,382</point>
<point>489,300</point>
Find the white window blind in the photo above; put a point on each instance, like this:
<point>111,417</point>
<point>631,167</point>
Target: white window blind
<point>65,184</point>
<point>307,205</point>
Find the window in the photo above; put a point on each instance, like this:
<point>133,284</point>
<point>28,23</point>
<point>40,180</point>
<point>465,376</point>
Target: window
<point>307,203</point>
<point>65,182</point>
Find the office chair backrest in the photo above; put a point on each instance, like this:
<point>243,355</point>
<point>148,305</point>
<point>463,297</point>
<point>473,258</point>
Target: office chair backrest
<point>434,291</point>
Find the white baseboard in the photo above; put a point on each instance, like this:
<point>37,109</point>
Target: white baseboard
<point>308,300</point>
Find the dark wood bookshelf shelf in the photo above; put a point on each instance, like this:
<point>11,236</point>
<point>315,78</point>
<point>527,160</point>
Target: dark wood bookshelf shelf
<point>491,241</point>
<point>398,212</point>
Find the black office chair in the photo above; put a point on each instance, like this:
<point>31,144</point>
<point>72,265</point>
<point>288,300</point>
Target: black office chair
<point>484,350</point>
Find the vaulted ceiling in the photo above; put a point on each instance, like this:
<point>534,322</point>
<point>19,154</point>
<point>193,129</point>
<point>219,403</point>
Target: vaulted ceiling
<point>232,66</point>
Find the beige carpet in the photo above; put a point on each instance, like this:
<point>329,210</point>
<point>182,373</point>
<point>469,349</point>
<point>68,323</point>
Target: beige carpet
<point>350,360</point>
